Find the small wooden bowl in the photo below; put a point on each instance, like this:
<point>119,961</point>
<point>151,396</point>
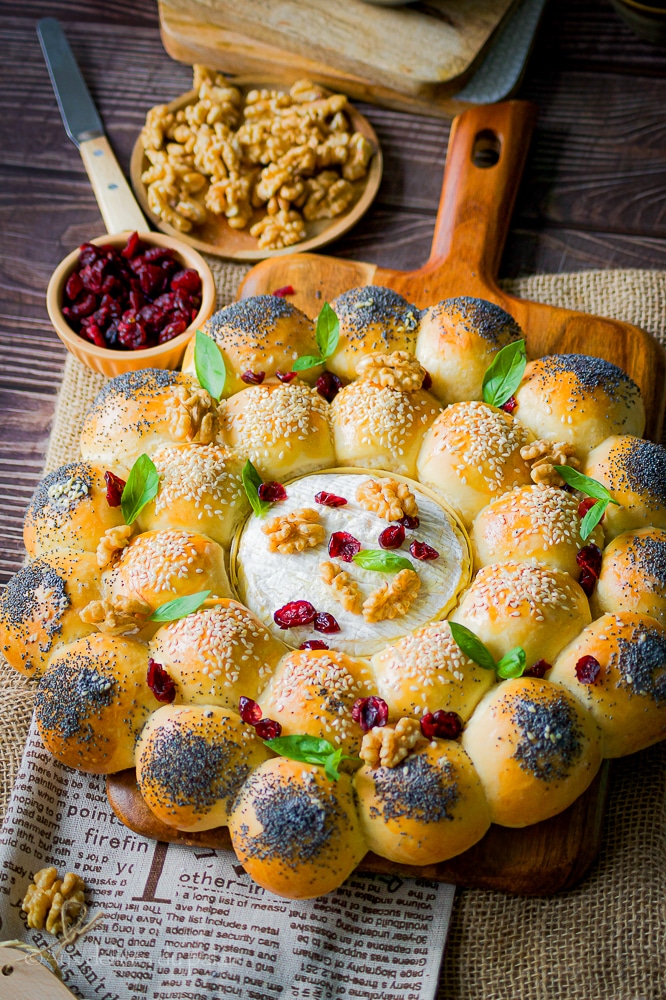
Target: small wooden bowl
<point>107,360</point>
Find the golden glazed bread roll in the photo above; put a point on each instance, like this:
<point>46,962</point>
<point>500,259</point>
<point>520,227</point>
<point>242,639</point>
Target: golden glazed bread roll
<point>191,762</point>
<point>313,692</point>
<point>471,455</point>
<point>263,333</point>
<point>283,429</point>
<point>200,490</point>
<point>617,669</point>
<point>69,510</point>
<point>372,319</point>
<point>427,809</point>
<point>532,523</point>
<point>93,701</point>
<point>634,471</point>
<point>381,428</point>
<point>427,671</point>
<point>217,655</point>
<point>633,575</point>
<point>39,608</point>
<point>457,341</point>
<point>520,604</point>
<point>295,832</point>
<point>535,749</point>
<point>140,412</point>
<point>578,400</point>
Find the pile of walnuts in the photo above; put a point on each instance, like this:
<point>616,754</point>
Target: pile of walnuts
<point>293,154</point>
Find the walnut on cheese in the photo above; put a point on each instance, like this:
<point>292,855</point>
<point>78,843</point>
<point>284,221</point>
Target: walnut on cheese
<point>343,588</point>
<point>295,532</point>
<point>388,498</point>
<point>54,903</point>
<point>543,456</point>
<point>398,370</point>
<point>113,540</point>
<point>386,746</point>
<point>394,599</point>
<point>117,615</point>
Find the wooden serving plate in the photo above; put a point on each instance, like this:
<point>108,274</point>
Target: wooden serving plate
<point>217,237</point>
<point>486,155</point>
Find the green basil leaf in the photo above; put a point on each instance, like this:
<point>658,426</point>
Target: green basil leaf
<point>251,483</point>
<point>584,484</point>
<point>472,646</point>
<point>306,361</point>
<point>310,750</point>
<point>505,373</point>
<point>327,333</point>
<point>141,487</point>
<point>209,365</point>
<point>331,765</point>
<point>381,561</point>
<point>180,607</point>
<point>512,664</point>
<point>592,518</point>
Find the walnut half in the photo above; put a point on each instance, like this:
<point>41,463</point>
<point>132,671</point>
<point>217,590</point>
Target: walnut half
<point>543,456</point>
<point>345,590</point>
<point>392,599</point>
<point>386,746</point>
<point>398,370</point>
<point>388,498</point>
<point>294,532</point>
<point>118,615</point>
<point>53,903</point>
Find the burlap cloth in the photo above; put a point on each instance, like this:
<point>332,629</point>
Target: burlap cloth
<point>604,940</point>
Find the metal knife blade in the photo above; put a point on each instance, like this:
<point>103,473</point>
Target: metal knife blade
<point>77,109</point>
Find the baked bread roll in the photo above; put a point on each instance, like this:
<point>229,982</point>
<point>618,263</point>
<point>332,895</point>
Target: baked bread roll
<point>313,691</point>
<point>426,671</point>
<point>535,749</point>
<point>217,655</point>
<point>372,319</point>
<point>633,575</point>
<point>457,341</point>
<point>69,510</point>
<point>520,604</point>
<point>140,412</point>
<point>634,471</point>
<point>532,524</point>
<point>200,490</point>
<point>578,400</point>
<point>191,762</point>
<point>263,333</point>
<point>295,832</point>
<point>40,606</point>
<point>93,701</point>
<point>617,669</point>
<point>283,429</point>
<point>471,455</point>
<point>427,809</point>
<point>381,428</point>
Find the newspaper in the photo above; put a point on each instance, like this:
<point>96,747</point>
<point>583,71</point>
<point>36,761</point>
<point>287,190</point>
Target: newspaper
<point>188,924</point>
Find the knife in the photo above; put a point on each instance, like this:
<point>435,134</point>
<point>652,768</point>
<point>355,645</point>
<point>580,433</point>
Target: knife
<point>117,204</point>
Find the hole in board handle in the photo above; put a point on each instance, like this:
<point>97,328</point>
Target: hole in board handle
<point>487,149</point>
<point>7,970</point>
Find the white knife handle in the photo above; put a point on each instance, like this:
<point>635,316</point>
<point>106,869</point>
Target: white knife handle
<point>117,204</point>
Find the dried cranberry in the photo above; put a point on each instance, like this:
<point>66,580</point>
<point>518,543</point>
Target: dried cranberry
<point>325,623</point>
<point>343,546</point>
<point>114,489</point>
<point>313,644</point>
<point>285,290</point>
<point>587,669</point>
<point>370,712</point>
<point>249,711</point>
<point>154,255</point>
<point>427,381</point>
<point>186,281</point>
<point>84,306</point>
<point>589,559</point>
<point>137,300</point>
<point>586,505</point>
<point>330,499</point>
<point>423,551</point>
<point>253,378</point>
<point>538,669</point>
<point>88,253</point>
<point>328,385</point>
<point>74,286</point>
<point>268,729</point>
<point>294,614</point>
<point>272,492</point>
<point>133,246</point>
<point>285,376</point>
<point>152,279</point>
<point>95,335</point>
<point>409,522</point>
<point>441,725</point>
<point>510,405</point>
<point>159,682</point>
<point>172,330</point>
<point>392,537</point>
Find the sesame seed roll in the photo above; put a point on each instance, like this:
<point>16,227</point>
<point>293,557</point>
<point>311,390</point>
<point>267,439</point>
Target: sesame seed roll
<point>535,749</point>
<point>579,400</point>
<point>633,575</point>
<point>457,341</point>
<point>372,319</point>
<point>634,470</point>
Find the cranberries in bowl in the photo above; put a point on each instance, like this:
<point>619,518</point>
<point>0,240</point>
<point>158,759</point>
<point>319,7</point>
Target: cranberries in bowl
<point>129,301</point>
